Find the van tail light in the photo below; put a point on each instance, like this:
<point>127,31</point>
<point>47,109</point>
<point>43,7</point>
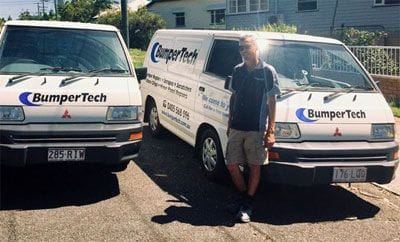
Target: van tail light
<point>396,155</point>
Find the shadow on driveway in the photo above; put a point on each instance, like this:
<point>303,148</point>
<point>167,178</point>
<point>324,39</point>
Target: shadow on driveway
<point>169,162</point>
<point>43,187</point>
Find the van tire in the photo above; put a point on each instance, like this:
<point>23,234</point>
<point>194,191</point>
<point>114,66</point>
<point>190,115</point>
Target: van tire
<point>211,157</point>
<point>156,129</point>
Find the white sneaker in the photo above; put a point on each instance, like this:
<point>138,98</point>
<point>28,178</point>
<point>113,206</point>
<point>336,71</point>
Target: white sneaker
<point>244,213</point>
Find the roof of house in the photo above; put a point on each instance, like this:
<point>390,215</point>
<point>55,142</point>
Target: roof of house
<point>156,1</point>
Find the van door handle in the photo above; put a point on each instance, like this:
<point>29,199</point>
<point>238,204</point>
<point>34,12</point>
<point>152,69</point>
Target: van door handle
<point>202,89</point>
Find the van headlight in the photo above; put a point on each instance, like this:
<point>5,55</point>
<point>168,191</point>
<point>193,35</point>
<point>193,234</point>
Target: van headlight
<point>126,113</point>
<point>11,113</point>
<point>287,131</point>
<point>382,131</point>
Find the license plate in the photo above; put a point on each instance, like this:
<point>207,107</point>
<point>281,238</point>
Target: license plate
<point>66,154</point>
<point>351,174</point>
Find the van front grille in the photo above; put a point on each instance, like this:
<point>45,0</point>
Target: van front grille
<point>61,138</point>
<point>342,158</point>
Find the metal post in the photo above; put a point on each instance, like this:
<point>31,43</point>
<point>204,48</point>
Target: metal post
<point>55,7</point>
<point>43,6</point>
<point>124,22</point>
<point>38,8</point>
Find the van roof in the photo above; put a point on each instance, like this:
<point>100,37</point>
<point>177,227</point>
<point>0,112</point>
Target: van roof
<point>60,24</point>
<point>260,34</point>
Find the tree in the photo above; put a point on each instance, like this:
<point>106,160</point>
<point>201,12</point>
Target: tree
<point>82,10</point>
<point>142,25</point>
<point>2,21</point>
<point>26,15</point>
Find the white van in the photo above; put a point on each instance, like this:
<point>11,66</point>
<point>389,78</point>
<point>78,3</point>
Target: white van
<point>333,123</point>
<point>69,93</point>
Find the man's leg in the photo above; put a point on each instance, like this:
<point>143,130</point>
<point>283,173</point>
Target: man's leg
<point>237,177</point>
<point>254,179</point>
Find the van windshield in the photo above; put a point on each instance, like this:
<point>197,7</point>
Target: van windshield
<point>315,65</point>
<point>61,51</point>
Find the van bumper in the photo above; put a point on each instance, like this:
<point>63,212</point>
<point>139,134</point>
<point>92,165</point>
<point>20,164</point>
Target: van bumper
<point>310,163</point>
<point>109,144</point>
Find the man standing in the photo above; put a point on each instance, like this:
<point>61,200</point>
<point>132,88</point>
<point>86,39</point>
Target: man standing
<point>254,87</point>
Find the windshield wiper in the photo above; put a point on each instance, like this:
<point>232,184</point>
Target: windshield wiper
<point>14,78</point>
<point>92,73</point>
<point>112,70</point>
<point>58,69</point>
<point>350,89</point>
<point>354,88</point>
<point>305,87</point>
<point>53,69</point>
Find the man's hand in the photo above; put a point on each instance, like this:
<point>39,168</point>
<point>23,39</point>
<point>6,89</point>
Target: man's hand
<point>269,138</point>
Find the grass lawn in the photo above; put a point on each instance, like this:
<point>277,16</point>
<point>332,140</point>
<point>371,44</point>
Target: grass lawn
<point>395,110</point>
<point>137,56</point>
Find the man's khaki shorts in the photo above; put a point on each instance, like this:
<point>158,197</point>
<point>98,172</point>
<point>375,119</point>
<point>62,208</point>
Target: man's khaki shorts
<point>246,147</point>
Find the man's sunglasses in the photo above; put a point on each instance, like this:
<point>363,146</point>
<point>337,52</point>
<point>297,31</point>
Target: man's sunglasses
<point>244,47</point>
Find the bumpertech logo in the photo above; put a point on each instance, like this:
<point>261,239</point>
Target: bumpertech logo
<point>182,55</point>
<point>312,115</point>
<point>37,99</point>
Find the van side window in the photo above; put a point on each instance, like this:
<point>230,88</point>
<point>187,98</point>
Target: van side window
<point>223,57</point>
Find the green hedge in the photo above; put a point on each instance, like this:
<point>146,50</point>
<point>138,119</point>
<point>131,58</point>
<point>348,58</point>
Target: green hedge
<point>142,25</point>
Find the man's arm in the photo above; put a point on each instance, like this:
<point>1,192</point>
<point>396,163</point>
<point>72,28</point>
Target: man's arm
<point>269,138</point>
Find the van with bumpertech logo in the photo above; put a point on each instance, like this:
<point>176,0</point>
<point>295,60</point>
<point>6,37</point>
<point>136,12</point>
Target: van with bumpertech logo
<point>69,94</point>
<point>333,124</point>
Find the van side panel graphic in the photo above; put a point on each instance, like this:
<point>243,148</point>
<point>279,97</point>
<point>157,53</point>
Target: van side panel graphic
<point>180,55</point>
<point>153,52</point>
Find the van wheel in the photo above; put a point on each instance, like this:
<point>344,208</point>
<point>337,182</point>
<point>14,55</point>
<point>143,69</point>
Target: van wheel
<point>154,122</point>
<point>210,154</point>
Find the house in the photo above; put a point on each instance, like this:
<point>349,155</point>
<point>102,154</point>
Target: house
<point>320,17</point>
<point>133,5</point>
<point>191,14</point>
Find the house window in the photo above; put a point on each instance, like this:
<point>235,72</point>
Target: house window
<point>179,19</point>
<point>387,2</point>
<point>258,5</point>
<point>217,16</point>
<point>306,5</point>
<point>243,6</point>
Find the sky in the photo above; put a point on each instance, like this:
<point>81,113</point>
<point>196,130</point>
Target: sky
<point>14,7</point>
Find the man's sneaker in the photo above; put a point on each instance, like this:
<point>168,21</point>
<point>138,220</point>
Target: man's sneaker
<point>245,213</point>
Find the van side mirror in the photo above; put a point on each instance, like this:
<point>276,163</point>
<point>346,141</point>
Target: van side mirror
<point>141,73</point>
<point>228,80</point>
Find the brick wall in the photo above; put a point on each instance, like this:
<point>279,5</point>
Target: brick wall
<point>390,86</point>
